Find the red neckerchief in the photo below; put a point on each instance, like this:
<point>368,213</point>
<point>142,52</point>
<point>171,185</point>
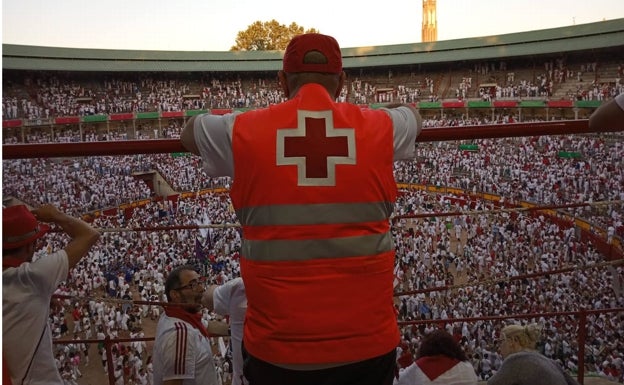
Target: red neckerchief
<point>434,366</point>
<point>11,262</point>
<point>192,318</point>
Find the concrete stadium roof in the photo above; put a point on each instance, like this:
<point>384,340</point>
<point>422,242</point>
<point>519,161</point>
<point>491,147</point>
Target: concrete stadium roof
<point>582,37</point>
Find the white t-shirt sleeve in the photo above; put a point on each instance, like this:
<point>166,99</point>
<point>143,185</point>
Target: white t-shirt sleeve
<point>229,296</point>
<point>406,131</point>
<point>213,136</point>
<point>221,299</point>
<point>620,100</point>
<point>48,271</point>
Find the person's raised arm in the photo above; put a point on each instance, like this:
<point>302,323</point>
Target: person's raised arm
<point>188,137</point>
<point>218,328</point>
<point>608,115</point>
<point>407,125</point>
<point>82,235</point>
<point>208,297</point>
<point>411,108</point>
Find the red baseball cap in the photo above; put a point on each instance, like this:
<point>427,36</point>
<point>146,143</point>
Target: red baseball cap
<point>300,45</point>
<point>20,227</point>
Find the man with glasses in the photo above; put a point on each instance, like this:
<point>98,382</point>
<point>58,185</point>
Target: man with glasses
<point>182,350</point>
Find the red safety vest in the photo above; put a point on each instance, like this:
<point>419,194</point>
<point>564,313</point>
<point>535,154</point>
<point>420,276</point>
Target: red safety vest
<point>313,189</point>
<point>6,375</point>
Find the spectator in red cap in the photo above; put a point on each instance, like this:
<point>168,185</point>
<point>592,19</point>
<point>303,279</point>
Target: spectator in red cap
<point>27,288</point>
<point>313,189</point>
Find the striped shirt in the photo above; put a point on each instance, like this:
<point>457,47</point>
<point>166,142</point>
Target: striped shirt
<point>182,352</point>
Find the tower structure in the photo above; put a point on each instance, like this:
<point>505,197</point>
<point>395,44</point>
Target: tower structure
<point>429,21</point>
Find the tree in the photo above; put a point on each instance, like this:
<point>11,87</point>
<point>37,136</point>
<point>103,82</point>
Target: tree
<point>268,35</point>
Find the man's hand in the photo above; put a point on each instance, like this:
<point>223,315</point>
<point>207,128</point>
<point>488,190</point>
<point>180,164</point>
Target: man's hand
<point>82,235</point>
<point>48,213</point>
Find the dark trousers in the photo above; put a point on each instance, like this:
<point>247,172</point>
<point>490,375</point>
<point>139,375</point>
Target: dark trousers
<point>375,371</point>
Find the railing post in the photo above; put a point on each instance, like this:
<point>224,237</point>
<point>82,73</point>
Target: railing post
<point>582,326</point>
<point>109,360</point>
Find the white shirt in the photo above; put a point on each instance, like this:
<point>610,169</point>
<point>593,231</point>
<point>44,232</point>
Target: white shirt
<point>182,352</point>
<point>620,100</point>
<point>461,374</point>
<point>26,336</point>
<point>230,299</point>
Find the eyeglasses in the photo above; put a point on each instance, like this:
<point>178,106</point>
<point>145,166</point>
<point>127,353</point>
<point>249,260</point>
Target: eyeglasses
<point>194,284</point>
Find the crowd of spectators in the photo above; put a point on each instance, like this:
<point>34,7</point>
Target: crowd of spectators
<point>480,254</point>
<point>578,81</point>
<point>432,253</point>
<point>77,185</point>
<point>362,92</point>
<point>59,95</point>
<point>529,169</point>
<point>534,169</point>
<point>40,95</point>
<point>133,266</point>
<point>598,88</point>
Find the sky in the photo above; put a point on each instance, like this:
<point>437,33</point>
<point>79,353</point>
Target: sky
<point>212,25</point>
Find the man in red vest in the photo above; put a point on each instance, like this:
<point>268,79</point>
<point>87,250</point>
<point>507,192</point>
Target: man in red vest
<point>313,189</point>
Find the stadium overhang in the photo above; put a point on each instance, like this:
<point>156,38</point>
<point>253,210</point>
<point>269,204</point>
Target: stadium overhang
<point>592,36</point>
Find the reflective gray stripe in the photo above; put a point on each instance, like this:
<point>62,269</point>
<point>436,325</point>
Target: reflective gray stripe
<point>300,250</point>
<point>314,214</point>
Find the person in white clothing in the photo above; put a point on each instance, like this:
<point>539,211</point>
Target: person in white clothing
<point>182,351</point>
<point>119,375</point>
<point>439,360</point>
<point>28,285</point>
<point>230,300</point>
